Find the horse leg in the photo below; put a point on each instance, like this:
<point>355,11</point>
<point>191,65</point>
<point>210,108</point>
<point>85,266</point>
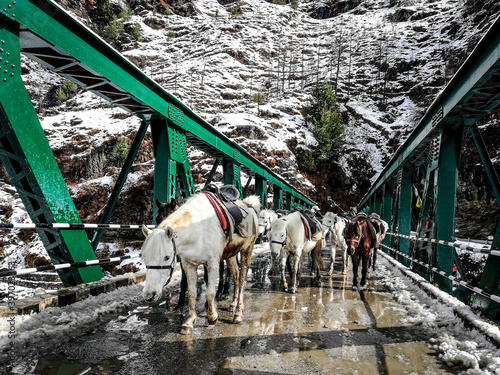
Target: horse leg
<point>246,257</point>
<point>212,271</point>
<point>220,286</point>
<point>182,295</point>
<point>192,278</point>
<point>283,266</point>
<point>232,264</point>
<point>295,269</point>
<point>355,263</point>
<point>364,269</point>
<point>332,258</point>
<point>375,251</point>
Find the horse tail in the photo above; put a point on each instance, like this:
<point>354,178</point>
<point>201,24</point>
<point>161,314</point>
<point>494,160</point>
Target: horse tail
<point>317,257</point>
<point>254,201</point>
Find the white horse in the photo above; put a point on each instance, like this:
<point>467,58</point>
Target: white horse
<point>336,225</point>
<point>288,237</point>
<point>194,234</point>
<point>383,227</point>
<point>266,217</point>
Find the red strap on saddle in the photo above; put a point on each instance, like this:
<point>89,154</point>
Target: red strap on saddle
<point>306,227</point>
<point>221,214</point>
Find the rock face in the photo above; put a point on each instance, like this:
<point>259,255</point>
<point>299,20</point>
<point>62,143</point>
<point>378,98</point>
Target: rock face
<point>248,68</point>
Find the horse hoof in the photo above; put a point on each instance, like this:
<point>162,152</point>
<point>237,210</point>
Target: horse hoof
<point>237,319</point>
<point>212,322</point>
<point>186,330</point>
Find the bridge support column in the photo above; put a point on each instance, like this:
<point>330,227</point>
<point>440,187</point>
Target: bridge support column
<point>277,198</point>
<point>405,199</point>
<point>446,201</point>
<point>232,173</point>
<point>386,213</point>
<point>261,190</point>
<point>33,170</point>
<point>173,177</point>
<point>288,201</point>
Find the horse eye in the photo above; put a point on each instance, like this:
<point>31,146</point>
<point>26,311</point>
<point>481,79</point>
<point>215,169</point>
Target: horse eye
<point>167,257</point>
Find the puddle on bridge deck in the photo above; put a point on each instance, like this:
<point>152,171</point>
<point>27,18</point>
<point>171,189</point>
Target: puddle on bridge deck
<point>327,330</point>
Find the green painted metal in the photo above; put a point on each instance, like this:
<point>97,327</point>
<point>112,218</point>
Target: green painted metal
<point>106,215</point>
<point>470,95</point>
<point>212,172</point>
<point>485,158</point>
<point>405,199</point>
<point>247,185</point>
<point>53,38</point>
<point>261,190</point>
<point>173,178</point>
<point>27,156</point>
<point>490,279</point>
<point>288,201</point>
<point>446,200</point>
<point>232,173</point>
<point>277,198</point>
<point>386,213</point>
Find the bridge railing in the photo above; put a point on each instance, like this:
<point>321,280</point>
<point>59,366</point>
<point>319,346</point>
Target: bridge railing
<point>417,190</point>
<point>44,32</point>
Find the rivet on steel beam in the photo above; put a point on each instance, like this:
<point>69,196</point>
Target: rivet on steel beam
<point>5,10</point>
<point>9,6</point>
<point>5,71</point>
<point>13,66</point>
<point>7,54</point>
<point>5,79</point>
<point>12,74</point>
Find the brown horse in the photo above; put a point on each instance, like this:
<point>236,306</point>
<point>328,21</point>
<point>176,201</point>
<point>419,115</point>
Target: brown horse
<point>359,241</point>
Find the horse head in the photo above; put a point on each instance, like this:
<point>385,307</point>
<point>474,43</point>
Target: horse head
<point>277,237</point>
<point>158,252</point>
<point>353,233</point>
<point>165,209</point>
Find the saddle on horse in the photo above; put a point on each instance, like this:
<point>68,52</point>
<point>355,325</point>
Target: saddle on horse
<point>238,216</point>
<point>312,225</point>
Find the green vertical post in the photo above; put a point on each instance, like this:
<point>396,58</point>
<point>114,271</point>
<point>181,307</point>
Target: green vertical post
<point>171,163</point>
<point>288,201</point>
<point>405,199</point>
<point>446,201</point>
<point>247,185</point>
<point>30,163</point>
<point>277,198</point>
<point>261,190</point>
<point>231,173</point>
<point>386,213</point>
<point>165,169</point>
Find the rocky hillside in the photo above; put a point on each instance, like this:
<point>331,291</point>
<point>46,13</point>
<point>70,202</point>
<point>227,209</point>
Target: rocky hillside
<point>387,60</point>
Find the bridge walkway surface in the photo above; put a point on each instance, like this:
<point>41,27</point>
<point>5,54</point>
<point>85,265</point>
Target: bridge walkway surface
<point>391,327</point>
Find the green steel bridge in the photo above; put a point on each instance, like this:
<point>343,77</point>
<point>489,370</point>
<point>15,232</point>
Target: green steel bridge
<point>44,32</point>
<point>432,153</point>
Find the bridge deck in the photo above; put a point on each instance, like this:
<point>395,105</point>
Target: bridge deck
<point>328,330</point>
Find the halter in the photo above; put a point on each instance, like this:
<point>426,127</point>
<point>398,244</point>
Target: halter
<point>280,243</point>
<point>170,266</point>
<point>356,242</point>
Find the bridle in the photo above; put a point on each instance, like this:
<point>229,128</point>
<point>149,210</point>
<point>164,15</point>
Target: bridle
<point>170,266</point>
<point>355,241</point>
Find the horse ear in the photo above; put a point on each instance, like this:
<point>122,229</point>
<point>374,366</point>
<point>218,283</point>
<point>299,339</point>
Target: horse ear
<point>146,231</point>
<point>169,232</point>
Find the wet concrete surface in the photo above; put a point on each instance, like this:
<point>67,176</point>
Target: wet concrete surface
<point>322,329</point>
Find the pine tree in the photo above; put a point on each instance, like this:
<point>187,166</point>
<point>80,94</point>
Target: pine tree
<point>325,120</point>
